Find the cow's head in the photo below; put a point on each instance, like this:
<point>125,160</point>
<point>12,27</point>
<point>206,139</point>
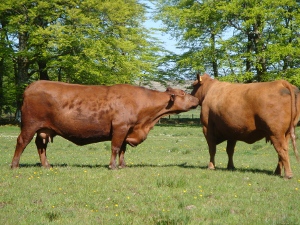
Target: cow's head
<point>199,89</point>
<point>180,101</point>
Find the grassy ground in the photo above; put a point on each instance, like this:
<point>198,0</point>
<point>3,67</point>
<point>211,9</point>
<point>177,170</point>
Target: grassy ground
<point>166,182</point>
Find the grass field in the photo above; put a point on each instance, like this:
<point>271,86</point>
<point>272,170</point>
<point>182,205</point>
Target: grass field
<point>166,182</point>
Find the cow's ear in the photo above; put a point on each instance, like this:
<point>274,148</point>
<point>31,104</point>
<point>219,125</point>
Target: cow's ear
<point>171,101</point>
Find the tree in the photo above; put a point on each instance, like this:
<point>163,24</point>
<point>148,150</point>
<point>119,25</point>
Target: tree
<point>77,41</point>
<point>198,27</point>
<point>241,40</point>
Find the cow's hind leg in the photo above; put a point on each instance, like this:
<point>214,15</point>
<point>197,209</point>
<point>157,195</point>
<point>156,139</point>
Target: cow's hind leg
<point>22,141</point>
<point>281,146</point>
<point>41,144</point>
<point>230,151</point>
<point>279,167</point>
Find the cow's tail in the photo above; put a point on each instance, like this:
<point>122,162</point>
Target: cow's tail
<point>293,137</point>
<point>294,116</point>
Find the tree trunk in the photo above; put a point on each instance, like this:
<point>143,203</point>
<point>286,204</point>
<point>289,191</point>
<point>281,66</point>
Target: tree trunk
<point>259,48</point>
<point>2,71</point>
<point>214,55</point>
<point>43,70</point>
<point>3,22</point>
<point>249,50</point>
<point>21,70</point>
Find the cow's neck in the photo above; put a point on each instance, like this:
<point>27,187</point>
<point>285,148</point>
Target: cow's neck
<point>162,110</point>
<point>204,89</point>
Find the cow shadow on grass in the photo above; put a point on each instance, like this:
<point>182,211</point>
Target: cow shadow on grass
<point>181,165</point>
<point>27,165</point>
<point>248,170</point>
<point>241,170</point>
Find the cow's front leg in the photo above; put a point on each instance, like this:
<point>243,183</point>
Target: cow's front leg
<point>212,153</point>
<point>122,151</point>
<point>117,145</point>
<point>230,151</point>
<point>114,153</point>
<point>212,147</point>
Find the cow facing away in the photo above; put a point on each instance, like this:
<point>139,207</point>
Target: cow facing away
<point>248,112</point>
<point>85,114</point>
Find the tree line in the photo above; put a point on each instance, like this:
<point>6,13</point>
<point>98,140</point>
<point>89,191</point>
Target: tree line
<point>236,40</point>
<point>106,42</point>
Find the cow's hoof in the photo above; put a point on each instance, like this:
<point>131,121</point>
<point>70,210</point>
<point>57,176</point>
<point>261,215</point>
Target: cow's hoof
<point>112,167</point>
<point>122,166</point>
<point>14,167</point>
<point>211,166</point>
<point>47,166</point>
<point>287,177</point>
<point>231,168</point>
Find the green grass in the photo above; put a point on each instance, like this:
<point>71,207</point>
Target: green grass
<point>166,182</point>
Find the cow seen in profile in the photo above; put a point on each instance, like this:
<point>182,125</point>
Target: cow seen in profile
<point>248,112</point>
<point>83,114</point>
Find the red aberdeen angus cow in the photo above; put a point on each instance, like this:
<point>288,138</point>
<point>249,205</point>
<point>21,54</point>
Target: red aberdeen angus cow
<point>83,114</point>
<point>248,112</point>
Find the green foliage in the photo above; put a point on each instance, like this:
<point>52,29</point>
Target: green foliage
<point>103,45</point>
<point>89,42</point>
<point>159,186</point>
<point>235,38</point>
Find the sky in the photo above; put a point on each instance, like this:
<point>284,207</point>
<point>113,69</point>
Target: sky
<point>169,43</point>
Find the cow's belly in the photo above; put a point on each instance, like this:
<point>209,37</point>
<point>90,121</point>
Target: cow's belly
<point>252,137</point>
<point>85,141</point>
<point>236,128</point>
<point>84,133</point>
<point>239,135</point>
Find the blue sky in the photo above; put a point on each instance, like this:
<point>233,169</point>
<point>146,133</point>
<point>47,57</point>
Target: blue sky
<point>169,43</point>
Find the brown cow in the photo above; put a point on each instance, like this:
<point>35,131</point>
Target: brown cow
<point>83,114</point>
<point>248,112</point>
